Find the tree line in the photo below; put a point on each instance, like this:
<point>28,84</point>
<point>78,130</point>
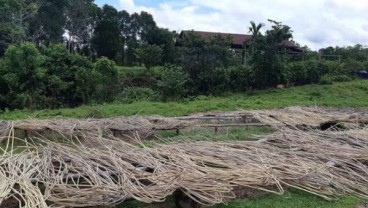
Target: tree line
<point>65,53</point>
<point>84,27</point>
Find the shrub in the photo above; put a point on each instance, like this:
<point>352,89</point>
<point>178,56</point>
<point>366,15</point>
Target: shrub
<point>214,81</point>
<point>296,73</point>
<point>326,80</point>
<point>308,72</point>
<point>60,84</point>
<point>106,80</point>
<point>241,78</point>
<point>84,79</point>
<point>173,82</point>
<point>341,78</point>
<point>138,77</point>
<point>149,55</point>
<point>23,76</point>
<point>134,94</point>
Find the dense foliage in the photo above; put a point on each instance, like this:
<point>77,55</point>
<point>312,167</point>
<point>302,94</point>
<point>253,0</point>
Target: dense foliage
<point>54,78</point>
<point>66,53</point>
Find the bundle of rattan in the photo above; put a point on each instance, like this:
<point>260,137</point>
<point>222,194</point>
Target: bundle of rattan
<point>326,163</point>
<point>91,128</point>
<point>310,118</point>
<point>77,176</point>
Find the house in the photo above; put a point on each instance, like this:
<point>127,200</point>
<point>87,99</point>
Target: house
<point>238,40</point>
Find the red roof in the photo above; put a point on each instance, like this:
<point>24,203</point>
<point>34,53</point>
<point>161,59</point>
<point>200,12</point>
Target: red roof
<point>238,39</point>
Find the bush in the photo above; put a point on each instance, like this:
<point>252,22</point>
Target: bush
<point>214,81</point>
<point>60,84</point>
<point>308,72</point>
<point>138,77</point>
<point>296,73</point>
<point>106,80</point>
<point>341,78</point>
<point>84,79</point>
<point>149,55</point>
<point>241,78</point>
<point>134,94</point>
<point>173,82</point>
<point>23,76</point>
<point>326,80</point>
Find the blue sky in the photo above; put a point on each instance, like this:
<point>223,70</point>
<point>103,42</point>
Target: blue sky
<point>316,23</point>
<point>147,3</point>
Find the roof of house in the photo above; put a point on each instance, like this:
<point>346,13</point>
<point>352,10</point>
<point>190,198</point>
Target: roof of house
<point>238,39</point>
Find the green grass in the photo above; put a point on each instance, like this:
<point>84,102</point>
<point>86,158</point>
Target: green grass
<point>291,199</point>
<point>223,134</point>
<point>347,94</point>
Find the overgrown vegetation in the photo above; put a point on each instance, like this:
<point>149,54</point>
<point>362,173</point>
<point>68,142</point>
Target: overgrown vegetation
<point>346,94</point>
<point>42,69</point>
<point>52,77</point>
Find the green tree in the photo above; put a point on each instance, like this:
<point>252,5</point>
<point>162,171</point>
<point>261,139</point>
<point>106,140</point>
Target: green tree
<point>173,83</point>
<point>85,80</point>
<point>81,18</point>
<point>150,55</point>
<point>15,16</point>
<point>165,39</point>
<point>4,90</point>
<point>125,32</point>
<point>269,56</point>
<point>107,39</point>
<point>255,30</point>
<point>138,30</point>
<point>61,82</point>
<point>24,76</point>
<point>106,75</point>
<point>202,57</point>
<point>47,25</point>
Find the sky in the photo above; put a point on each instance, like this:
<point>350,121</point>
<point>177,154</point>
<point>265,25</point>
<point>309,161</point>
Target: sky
<point>316,23</point>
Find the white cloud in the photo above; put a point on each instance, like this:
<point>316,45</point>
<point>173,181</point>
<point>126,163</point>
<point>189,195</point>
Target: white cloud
<point>316,23</point>
<point>127,5</point>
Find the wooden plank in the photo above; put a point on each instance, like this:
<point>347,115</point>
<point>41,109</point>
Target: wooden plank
<point>211,118</point>
<point>233,125</point>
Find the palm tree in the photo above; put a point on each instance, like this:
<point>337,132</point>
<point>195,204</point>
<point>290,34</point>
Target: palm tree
<point>255,29</point>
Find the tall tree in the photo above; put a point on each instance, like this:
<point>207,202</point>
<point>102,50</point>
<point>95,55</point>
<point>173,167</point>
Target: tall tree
<point>165,39</point>
<point>23,73</point>
<point>107,39</point>
<point>149,55</point>
<point>47,26</point>
<point>81,19</point>
<point>269,53</point>
<point>147,25</point>
<point>201,57</point>
<point>125,32</point>
<point>141,28</point>
<point>14,20</point>
<point>255,29</point>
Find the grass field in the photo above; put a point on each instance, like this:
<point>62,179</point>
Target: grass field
<point>291,199</point>
<point>347,94</point>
